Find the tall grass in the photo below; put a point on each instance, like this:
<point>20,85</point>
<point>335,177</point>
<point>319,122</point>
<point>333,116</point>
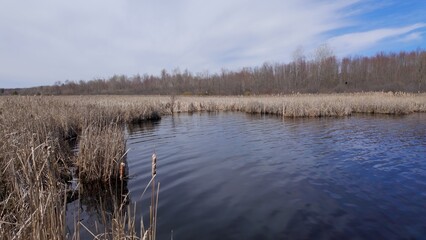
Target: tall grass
<point>36,160</point>
<point>33,198</point>
<point>34,167</point>
<point>101,152</point>
<point>309,105</point>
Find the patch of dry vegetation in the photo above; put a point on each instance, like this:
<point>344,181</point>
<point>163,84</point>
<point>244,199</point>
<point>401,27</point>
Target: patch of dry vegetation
<point>33,163</point>
<point>36,158</point>
<point>101,151</point>
<point>309,105</point>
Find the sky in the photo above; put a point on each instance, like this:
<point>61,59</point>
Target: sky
<point>46,41</point>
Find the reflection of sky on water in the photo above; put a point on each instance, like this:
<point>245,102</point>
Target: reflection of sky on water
<point>238,176</point>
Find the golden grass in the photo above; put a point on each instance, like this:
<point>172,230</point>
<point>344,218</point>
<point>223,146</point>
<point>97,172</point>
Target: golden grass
<point>101,152</point>
<point>36,157</point>
<point>309,105</point>
<point>32,204</point>
<point>33,163</point>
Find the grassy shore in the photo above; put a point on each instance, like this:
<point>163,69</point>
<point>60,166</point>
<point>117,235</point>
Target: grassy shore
<point>136,108</point>
<point>36,161</point>
<point>37,133</point>
<point>309,105</point>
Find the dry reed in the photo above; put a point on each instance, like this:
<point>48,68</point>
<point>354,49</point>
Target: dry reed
<point>101,152</point>
<point>36,157</point>
<point>308,105</point>
<point>34,166</point>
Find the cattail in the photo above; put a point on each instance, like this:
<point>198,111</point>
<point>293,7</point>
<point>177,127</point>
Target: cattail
<point>122,165</point>
<point>152,207</point>
<point>154,164</point>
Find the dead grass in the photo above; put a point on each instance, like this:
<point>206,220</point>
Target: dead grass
<point>101,151</point>
<point>33,199</point>
<point>308,105</point>
<point>36,158</point>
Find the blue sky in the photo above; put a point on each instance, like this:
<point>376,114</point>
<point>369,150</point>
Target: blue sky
<point>45,41</point>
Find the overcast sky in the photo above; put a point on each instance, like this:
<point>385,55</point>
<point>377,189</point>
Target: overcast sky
<point>44,41</point>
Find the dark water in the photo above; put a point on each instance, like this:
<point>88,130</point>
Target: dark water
<point>238,176</point>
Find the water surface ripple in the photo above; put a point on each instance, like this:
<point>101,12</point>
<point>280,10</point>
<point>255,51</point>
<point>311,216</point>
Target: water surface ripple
<point>238,176</point>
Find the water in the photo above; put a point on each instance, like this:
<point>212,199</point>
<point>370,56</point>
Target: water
<point>239,176</point>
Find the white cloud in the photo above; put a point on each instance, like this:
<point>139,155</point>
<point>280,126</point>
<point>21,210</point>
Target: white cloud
<point>45,41</point>
<point>358,41</point>
<point>415,36</point>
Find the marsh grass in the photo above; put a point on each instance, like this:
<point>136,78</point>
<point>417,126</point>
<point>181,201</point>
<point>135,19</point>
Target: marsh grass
<point>36,160</point>
<point>309,105</point>
<point>101,152</point>
<point>33,203</point>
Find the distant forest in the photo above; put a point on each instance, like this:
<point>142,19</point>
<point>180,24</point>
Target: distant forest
<point>324,73</point>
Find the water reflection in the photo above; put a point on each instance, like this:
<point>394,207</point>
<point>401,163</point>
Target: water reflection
<point>99,197</point>
<point>94,205</point>
<point>239,176</point>
<point>146,126</point>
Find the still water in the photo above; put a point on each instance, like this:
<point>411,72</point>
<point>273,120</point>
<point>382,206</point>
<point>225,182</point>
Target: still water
<point>239,176</point>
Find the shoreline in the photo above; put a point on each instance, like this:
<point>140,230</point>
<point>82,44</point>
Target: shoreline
<point>36,157</point>
<point>145,107</point>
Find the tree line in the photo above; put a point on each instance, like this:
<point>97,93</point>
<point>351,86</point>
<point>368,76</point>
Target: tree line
<point>323,73</point>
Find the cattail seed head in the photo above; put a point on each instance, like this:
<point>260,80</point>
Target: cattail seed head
<point>154,164</point>
<point>122,165</point>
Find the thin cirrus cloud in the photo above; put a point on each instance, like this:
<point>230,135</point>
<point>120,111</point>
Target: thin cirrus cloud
<point>415,36</point>
<point>45,41</point>
<point>359,41</point>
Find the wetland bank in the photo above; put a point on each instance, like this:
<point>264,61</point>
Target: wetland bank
<point>261,120</point>
<point>38,162</point>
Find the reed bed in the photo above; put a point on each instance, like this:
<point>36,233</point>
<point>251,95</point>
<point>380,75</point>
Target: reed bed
<point>33,164</point>
<point>309,105</point>
<point>101,152</point>
<point>33,194</point>
<point>36,158</point>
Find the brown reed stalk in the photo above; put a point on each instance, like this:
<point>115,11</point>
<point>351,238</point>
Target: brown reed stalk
<point>101,150</point>
<point>153,208</point>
